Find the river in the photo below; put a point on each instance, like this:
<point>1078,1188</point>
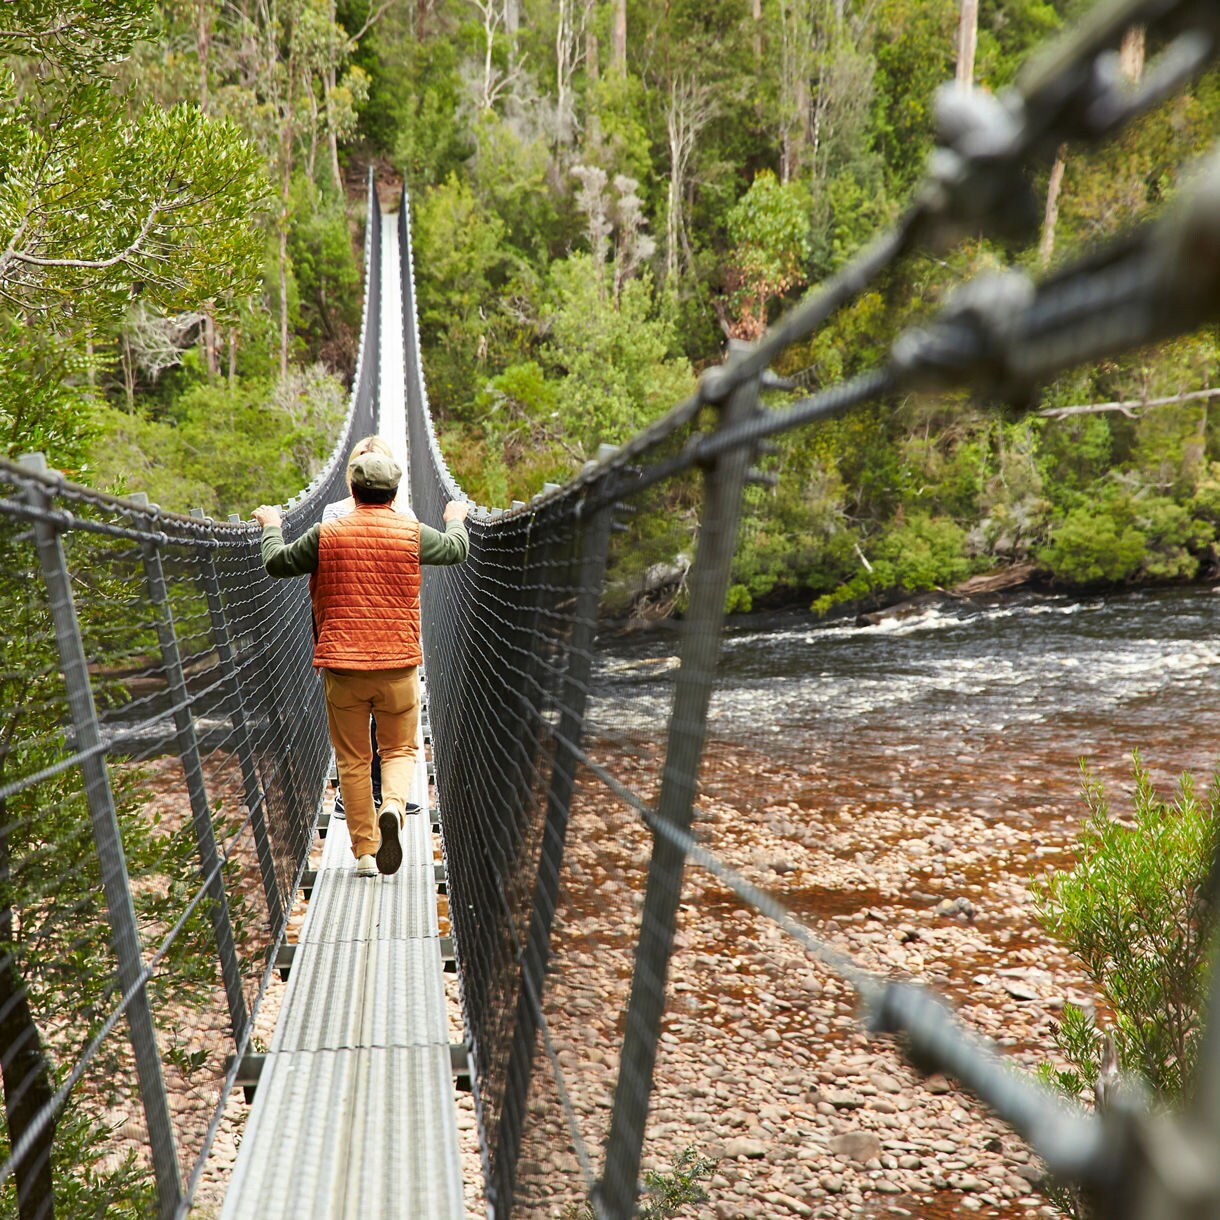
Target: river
<point>969,694</point>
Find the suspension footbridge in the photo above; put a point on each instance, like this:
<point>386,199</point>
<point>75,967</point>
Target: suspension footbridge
<point>165,767</point>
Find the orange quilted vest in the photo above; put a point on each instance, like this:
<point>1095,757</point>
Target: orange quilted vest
<point>366,591</point>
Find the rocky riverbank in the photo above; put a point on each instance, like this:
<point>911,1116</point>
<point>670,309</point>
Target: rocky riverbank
<point>764,1064</point>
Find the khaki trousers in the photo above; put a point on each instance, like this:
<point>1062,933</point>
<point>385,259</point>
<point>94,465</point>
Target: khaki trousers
<point>392,697</point>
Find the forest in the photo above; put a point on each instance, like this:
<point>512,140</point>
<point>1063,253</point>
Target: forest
<point>602,195</point>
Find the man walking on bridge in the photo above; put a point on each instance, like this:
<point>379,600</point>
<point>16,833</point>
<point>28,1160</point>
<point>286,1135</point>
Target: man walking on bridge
<point>364,577</point>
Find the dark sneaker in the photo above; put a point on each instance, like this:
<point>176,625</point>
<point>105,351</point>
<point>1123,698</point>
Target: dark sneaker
<point>389,854</point>
<point>338,810</point>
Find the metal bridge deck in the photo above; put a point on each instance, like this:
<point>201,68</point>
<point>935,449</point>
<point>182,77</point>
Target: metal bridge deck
<point>354,1116</point>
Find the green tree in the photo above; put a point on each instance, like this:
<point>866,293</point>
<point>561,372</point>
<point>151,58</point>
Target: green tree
<point>618,370</point>
<point>327,277</point>
<point>1091,545</point>
<point>914,48</point>
<point>103,202</point>
<point>769,231</point>
<point>43,408</point>
<point>510,179</point>
<point>227,447</point>
<point>97,207</point>
<point>923,552</point>
<point>1125,535</point>
<point>517,441</point>
<point>1009,32</point>
<point>460,261</point>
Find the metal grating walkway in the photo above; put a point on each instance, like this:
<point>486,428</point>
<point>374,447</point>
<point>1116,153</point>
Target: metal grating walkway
<point>354,1116</point>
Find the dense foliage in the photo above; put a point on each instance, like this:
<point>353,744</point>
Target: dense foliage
<point>179,286</point>
<point>602,193</point>
<point>1134,909</point>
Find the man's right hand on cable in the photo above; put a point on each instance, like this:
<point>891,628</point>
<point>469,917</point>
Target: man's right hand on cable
<point>456,510</point>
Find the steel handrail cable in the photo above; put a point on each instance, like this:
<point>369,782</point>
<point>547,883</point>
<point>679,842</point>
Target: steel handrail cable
<point>124,1003</point>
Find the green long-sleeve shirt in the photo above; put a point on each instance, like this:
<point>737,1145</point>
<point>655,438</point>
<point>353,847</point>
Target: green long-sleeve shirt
<point>301,557</point>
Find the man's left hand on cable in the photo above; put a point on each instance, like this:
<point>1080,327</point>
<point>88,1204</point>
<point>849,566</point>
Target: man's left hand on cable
<point>267,516</point>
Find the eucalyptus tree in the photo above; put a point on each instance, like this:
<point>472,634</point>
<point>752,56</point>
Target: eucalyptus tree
<point>99,205</point>
<point>690,107</point>
<point>295,86</point>
<point>103,203</point>
<point>769,227</point>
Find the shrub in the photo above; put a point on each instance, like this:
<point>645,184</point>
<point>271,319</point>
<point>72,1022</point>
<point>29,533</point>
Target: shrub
<point>920,553</point>
<point>1133,911</point>
<point>666,1193</point>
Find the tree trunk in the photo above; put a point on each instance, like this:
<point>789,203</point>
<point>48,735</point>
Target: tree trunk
<point>677,169</point>
<point>129,373</point>
<point>202,41</point>
<point>1132,53</point>
<point>329,83</point>
<point>619,47</point>
<point>336,173</point>
<point>491,22</point>
<point>25,1070</point>
<point>564,37</point>
<point>209,346</point>
<point>284,293</point>
<point>689,112</point>
<point>285,108</point>
<point>967,40</point>
<point>311,161</point>
<point>756,13</point>
<point>247,55</point>
<point>285,196</point>
<point>800,51</point>
<point>673,197</point>
<point>1046,247</point>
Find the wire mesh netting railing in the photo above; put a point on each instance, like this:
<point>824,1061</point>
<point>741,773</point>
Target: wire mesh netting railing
<point>163,756</point>
<point>569,814</point>
<point>163,751</point>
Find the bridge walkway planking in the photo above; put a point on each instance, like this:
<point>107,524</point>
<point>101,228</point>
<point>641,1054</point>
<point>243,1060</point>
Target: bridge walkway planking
<point>354,1116</point>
